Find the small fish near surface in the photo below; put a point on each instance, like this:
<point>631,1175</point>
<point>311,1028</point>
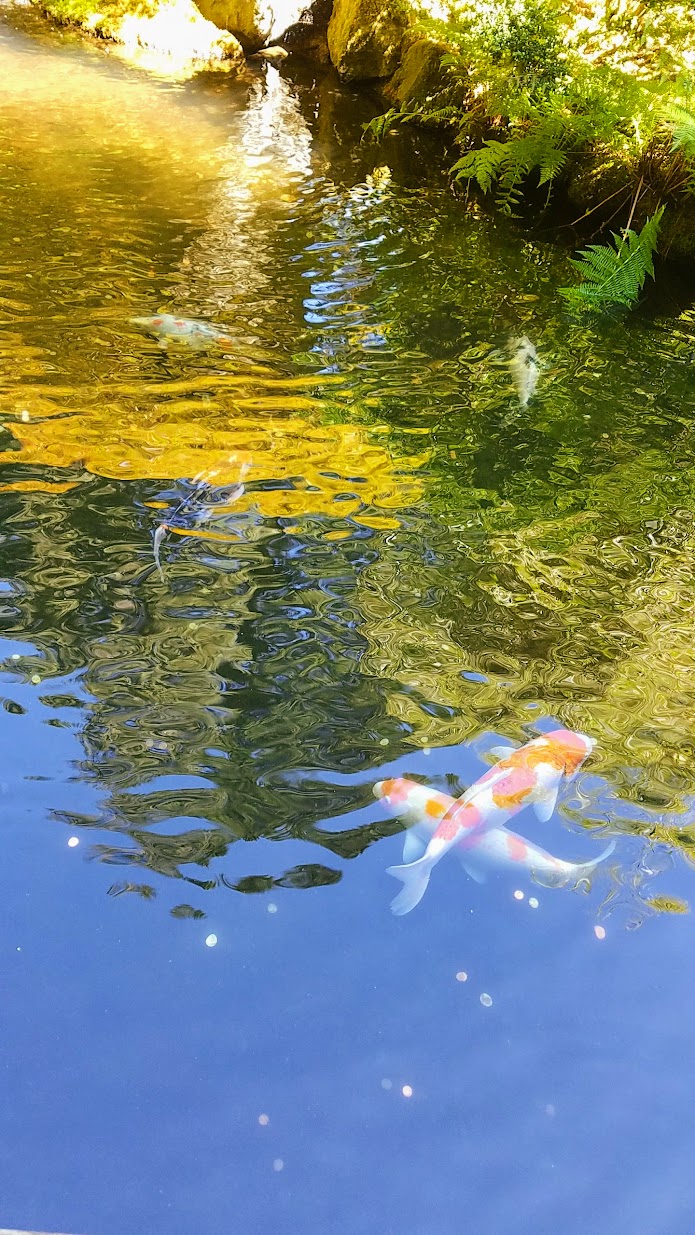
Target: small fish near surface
<point>524,369</point>
<point>422,809</point>
<point>167,328</point>
<point>191,509</point>
<point>528,776</point>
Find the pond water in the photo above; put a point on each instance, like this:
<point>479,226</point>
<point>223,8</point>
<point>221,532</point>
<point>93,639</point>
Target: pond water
<point>210,1019</point>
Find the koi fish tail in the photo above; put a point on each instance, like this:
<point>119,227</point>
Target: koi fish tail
<point>415,878</point>
<point>583,872</point>
<point>587,867</point>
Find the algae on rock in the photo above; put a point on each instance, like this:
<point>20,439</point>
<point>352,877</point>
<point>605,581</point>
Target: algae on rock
<point>253,22</point>
<point>365,37</point>
<point>172,28</point>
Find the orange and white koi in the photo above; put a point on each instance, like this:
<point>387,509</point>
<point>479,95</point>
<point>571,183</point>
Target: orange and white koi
<point>529,776</point>
<point>166,327</point>
<point>422,808</point>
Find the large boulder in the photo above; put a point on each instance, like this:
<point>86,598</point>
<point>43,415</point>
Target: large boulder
<point>308,35</point>
<point>253,22</point>
<point>419,77</point>
<point>365,37</point>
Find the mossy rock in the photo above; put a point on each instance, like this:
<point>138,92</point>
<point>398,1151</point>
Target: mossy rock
<point>419,77</point>
<point>366,37</point>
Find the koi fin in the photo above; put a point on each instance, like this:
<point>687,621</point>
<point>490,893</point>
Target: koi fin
<point>413,847</point>
<point>415,878</point>
<point>471,869</point>
<point>587,866</point>
<point>502,752</point>
<point>545,805</point>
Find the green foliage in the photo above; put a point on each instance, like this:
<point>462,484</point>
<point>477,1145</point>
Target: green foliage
<point>681,121</point>
<point>615,276</point>
<point>377,128</point>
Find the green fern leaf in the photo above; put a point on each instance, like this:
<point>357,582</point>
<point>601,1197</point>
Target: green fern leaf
<point>615,276</point>
<point>681,122</point>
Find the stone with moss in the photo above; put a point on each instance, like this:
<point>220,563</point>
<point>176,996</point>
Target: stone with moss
<point>419,77</point>
<point>170,28</point>
<point>253,22</point>
<point>366,37</point>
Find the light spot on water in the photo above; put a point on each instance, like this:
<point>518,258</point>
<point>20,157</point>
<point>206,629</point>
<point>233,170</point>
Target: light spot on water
<point>74,840</point>
<point>35,677</point>
<point>486,1000</point>
<point>600,932</point>
<point>407,1091</point>
<point>461,976</point>
<point>272,907</point>
<point>384,742</point>
<point>210,941</point>
<point>533,903</point>
<point>278,1164</point>
<point>550,1110</point>
<point>386,1083</point>
<point>25,417</point>
<point>264,1120</point>
<point>518,895</point>
<point>427,750</point>
<point>15,656</point>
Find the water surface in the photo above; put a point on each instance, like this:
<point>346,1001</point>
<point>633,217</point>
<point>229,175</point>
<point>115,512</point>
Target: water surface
<point>210,1019</point>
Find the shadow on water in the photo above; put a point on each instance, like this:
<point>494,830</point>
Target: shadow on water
<point>417,568</point>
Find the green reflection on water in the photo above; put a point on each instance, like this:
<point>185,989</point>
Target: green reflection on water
<point>416,559</point>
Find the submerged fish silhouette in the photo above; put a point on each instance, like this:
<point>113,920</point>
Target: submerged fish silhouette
<point>524,369</point>
<point>191,509</point>
<point>165,327</point>
<point>422,808</point>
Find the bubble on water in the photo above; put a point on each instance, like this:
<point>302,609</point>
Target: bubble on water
<point>407,1091</point>
<point>600,932</point>
<point>210,941</point>
<point>25,417</point>
<point>427,750</point>
<point>264,1120</point>
<point>461,976</point>
<point>386,1083</point>
<point>74,840</point>
<point>36,679</point>
<point>518,895</point>
<point>533,903</point>
<point>486,1000</point>
<point>272,907</point>
<point>15,656</point>
<point>278,1164</point>
<point>384,742</point>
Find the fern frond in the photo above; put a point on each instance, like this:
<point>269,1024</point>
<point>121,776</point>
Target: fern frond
<point>681,122</point>
<point>615,276</point>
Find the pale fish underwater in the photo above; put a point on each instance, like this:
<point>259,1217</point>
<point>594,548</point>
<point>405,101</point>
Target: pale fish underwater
<point>166,327</point>
<point>422,808</point>
<point>191,509</point>
<point>529,776</point>
<point>524,369</point>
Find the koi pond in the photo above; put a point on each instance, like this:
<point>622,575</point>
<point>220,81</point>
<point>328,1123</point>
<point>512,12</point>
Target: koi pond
<point>406,509</point>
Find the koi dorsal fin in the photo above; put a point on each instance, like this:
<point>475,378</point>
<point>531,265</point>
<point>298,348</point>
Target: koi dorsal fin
<point>503,752</point>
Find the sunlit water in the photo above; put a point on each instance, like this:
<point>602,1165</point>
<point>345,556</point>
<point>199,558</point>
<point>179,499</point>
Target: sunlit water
<point>211,1021</point>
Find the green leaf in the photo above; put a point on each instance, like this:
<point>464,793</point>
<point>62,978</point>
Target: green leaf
<point>615,276</point>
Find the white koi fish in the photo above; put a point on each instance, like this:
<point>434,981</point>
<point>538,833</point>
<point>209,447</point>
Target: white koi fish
<point>422,808</point>
<point>166,327</point>
<point>524,368</point>
<point>529,776</point>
